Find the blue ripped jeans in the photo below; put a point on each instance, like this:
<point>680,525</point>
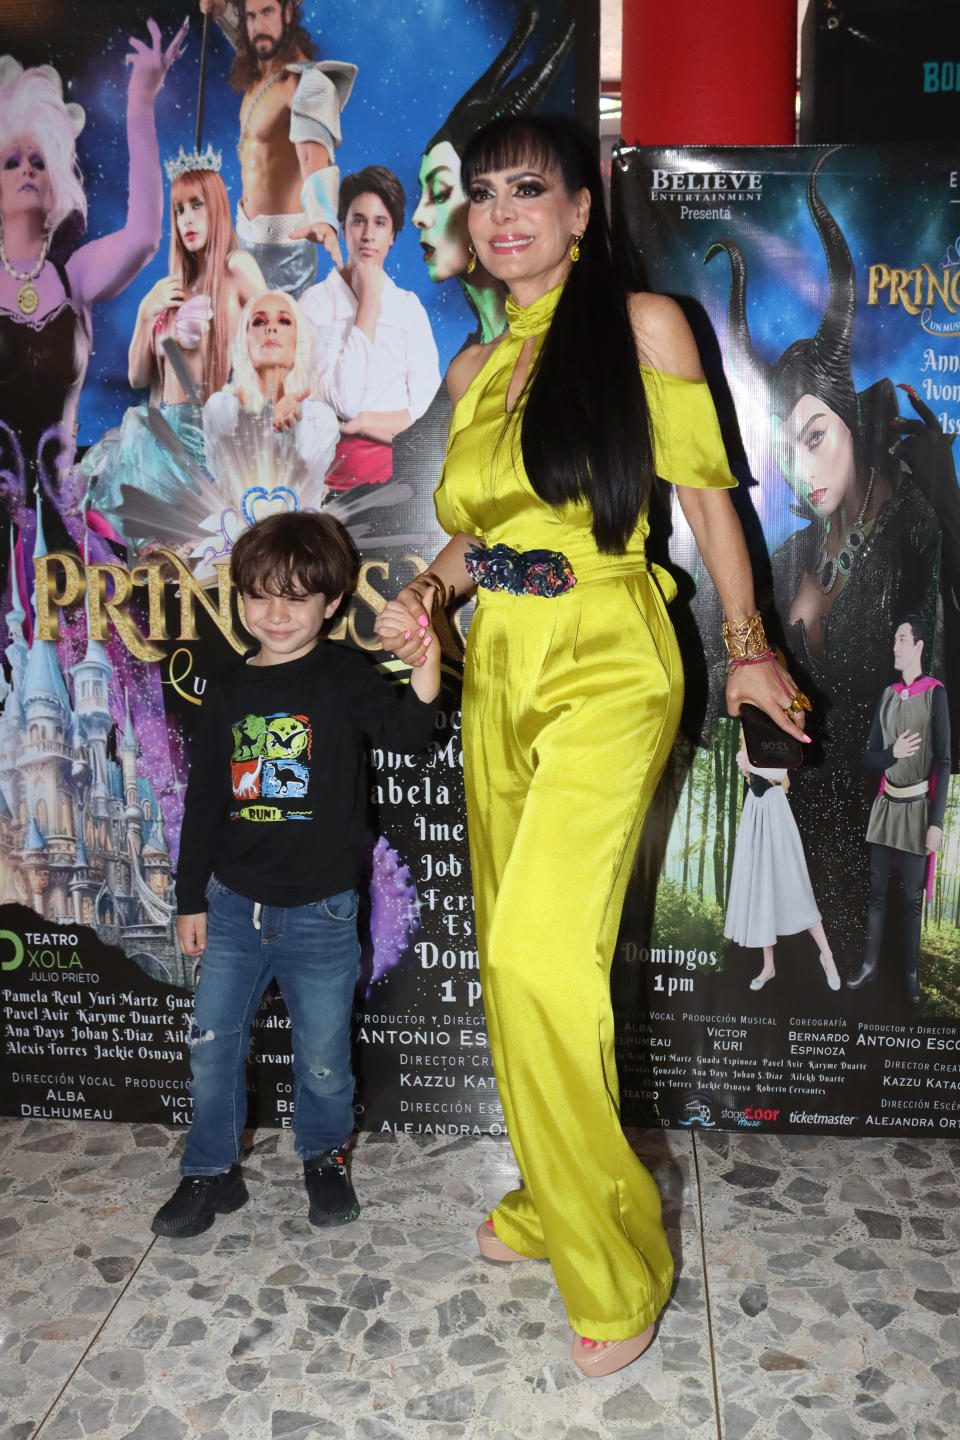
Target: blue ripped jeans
<point>314,954</point>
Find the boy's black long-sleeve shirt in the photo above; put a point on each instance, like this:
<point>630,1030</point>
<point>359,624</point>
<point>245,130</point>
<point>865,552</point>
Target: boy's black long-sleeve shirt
<point>276,803</point>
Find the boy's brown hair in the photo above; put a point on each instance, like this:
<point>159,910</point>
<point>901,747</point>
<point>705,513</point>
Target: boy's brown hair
<point>374,180</point>
<point>295,553</point>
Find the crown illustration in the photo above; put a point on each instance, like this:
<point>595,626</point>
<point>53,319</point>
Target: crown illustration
<point>208,159</point>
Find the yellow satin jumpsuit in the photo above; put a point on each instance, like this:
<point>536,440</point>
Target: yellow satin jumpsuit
<point>570,707</point>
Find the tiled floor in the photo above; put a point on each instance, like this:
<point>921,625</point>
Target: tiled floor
<point>818,1294</point>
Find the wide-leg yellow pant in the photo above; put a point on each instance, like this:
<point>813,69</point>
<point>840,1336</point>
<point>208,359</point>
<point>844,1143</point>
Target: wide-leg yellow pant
<point>571,704</point>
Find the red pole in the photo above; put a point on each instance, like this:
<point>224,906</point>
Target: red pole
<point>709,72</point>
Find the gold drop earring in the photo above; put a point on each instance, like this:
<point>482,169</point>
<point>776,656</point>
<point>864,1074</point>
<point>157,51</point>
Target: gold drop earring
<point>575,248</point>
<point>472,262</point>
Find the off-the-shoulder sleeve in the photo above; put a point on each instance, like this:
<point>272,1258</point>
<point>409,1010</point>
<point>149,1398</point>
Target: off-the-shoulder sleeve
<point>688,447</point>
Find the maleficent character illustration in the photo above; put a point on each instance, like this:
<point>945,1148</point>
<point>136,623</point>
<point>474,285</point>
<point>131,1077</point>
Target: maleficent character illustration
<point>878,513</point>
<point>441,215</point>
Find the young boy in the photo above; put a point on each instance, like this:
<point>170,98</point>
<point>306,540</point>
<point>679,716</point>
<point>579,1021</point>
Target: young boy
<point>271,853</point>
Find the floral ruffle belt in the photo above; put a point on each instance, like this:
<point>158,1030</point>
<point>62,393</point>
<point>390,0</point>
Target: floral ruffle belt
<point>527,572</point>
<point>549,572</point>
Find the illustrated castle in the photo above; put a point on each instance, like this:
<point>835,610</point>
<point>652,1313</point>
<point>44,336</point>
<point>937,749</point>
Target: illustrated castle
<point>82,838</point>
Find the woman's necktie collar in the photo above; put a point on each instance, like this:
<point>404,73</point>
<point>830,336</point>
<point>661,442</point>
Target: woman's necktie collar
<point>527,320</point>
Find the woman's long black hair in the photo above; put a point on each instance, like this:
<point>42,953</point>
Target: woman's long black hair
<point>585,433</point>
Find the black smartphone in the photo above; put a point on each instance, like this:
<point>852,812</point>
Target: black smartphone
<point>767,745</point>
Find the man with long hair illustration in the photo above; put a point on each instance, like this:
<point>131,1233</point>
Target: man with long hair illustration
<point>289,131</point>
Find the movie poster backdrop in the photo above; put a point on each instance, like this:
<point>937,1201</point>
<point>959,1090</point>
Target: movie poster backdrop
<point>117,520</point>
<point>114,618</point>
<point>824,288</point>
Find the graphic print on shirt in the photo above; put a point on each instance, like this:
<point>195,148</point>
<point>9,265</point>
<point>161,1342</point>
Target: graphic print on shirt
<point>270,764</point>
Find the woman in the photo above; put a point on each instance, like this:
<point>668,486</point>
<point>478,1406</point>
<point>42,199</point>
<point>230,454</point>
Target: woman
<point>198,303</point>
<point>267,443</point>
<point>572,689</point>
<point>374,353</point>
<point>194,308</point>
<point>49,283</point>
<point>272,369</point>
<point>770,890</point>
<point>868,555</point>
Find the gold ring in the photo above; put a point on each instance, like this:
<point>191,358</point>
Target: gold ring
<point>798,703</point>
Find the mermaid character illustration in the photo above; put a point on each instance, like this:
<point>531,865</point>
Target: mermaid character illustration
<point>181,340</point>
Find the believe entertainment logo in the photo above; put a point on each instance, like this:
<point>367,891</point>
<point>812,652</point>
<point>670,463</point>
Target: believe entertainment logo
<point>706,185</point>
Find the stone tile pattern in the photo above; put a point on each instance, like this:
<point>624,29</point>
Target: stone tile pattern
<point>834,1285</point>
<point>831,1269</point>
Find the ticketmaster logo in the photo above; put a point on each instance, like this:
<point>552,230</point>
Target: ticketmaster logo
<point>802,1117</point>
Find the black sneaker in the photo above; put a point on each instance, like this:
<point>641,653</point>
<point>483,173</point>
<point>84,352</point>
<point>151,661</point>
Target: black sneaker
<point>197,1200</point>
<point>333,1200</point>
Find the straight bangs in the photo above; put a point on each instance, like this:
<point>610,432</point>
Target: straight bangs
<point>510,143</point>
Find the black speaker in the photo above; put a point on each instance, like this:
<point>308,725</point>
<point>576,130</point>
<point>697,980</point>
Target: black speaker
<point>880,70</point>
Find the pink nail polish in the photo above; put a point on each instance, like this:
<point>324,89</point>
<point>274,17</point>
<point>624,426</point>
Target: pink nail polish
<point>427,639</point>
<point>407,634</point>
<point>423,620</point>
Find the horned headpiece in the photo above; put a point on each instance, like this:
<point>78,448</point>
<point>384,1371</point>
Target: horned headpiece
<point>821,364</point>
<point>494,95</point>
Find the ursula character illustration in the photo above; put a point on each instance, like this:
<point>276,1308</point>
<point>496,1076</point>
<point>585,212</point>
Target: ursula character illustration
<point>770,890</point>
<point>868,553</point>
<point>181,341</point>
<point>49,282</point>
<point>374,353</point>
<point>268,444</point>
